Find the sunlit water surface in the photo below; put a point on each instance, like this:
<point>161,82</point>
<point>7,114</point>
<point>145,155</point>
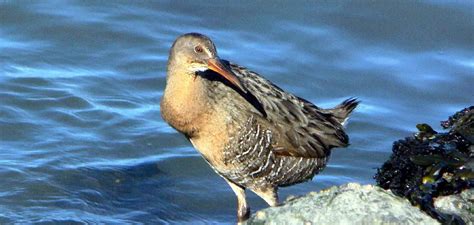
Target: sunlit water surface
<point>81,137</point>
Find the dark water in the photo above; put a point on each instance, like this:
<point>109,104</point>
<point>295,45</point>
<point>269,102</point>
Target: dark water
<point>82,140</point>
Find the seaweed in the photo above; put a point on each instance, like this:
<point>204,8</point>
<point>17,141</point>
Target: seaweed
<point>431,164</point>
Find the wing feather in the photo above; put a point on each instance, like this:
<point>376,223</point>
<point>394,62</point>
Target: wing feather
<point>310,131</point>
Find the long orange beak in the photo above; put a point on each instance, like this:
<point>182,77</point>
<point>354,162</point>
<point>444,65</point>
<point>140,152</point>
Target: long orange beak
<point>216,66</point>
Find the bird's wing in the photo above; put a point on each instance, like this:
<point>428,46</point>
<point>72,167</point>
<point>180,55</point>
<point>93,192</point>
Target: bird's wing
<point>310,131</point>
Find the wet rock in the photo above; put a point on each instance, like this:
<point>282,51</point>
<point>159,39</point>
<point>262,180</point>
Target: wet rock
<point>462,122</point>
<point>347,204</point>
<point>461,205</point>
<point>432,164</point>
<point>361,204</point>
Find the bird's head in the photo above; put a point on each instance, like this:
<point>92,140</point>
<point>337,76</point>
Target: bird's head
<point>196,53</point>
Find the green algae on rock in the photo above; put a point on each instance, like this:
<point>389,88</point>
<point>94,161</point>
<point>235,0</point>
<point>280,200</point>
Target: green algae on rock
<point>433,164</point>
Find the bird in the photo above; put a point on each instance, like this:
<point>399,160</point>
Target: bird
<point>252,133</point>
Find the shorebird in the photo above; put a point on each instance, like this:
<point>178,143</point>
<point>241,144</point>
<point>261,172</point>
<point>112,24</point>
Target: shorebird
<point>251,132</point>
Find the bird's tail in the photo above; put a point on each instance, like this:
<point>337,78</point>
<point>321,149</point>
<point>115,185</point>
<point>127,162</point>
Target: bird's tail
<point>342,111</point>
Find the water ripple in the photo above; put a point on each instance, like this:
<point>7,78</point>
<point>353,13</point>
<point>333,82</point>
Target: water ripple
<point>81,137</point>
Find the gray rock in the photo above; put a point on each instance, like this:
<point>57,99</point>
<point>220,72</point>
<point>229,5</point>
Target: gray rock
<point>356,204</point>
<point>461,205</point>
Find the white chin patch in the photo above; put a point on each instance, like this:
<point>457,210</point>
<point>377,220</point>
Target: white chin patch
<point>201,69</point>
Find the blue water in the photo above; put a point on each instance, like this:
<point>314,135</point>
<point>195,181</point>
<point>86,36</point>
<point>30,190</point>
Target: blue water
<point>81,137</point>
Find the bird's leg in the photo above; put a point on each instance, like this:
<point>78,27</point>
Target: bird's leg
<point>243,211</point>
<point>270,195</point>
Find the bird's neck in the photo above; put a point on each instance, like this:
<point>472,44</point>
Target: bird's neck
<point>184,101</point>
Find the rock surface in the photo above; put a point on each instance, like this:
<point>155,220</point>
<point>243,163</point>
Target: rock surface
<point>356,204</point>
<point>461,205</point>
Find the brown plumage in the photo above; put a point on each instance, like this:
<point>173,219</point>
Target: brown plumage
<point>251,132</point>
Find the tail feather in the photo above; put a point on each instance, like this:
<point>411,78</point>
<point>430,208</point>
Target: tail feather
<point>342,111</point>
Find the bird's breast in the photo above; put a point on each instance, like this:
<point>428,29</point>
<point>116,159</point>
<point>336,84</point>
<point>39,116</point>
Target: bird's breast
<point>215,133</point>
<point>184,104</point>
<point>209,113</point>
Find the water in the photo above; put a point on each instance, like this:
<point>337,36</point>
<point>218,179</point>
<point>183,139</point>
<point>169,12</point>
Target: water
<point>81,137</point>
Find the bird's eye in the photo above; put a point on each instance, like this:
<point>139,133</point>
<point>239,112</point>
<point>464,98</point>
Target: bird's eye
<point>198,49</point>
